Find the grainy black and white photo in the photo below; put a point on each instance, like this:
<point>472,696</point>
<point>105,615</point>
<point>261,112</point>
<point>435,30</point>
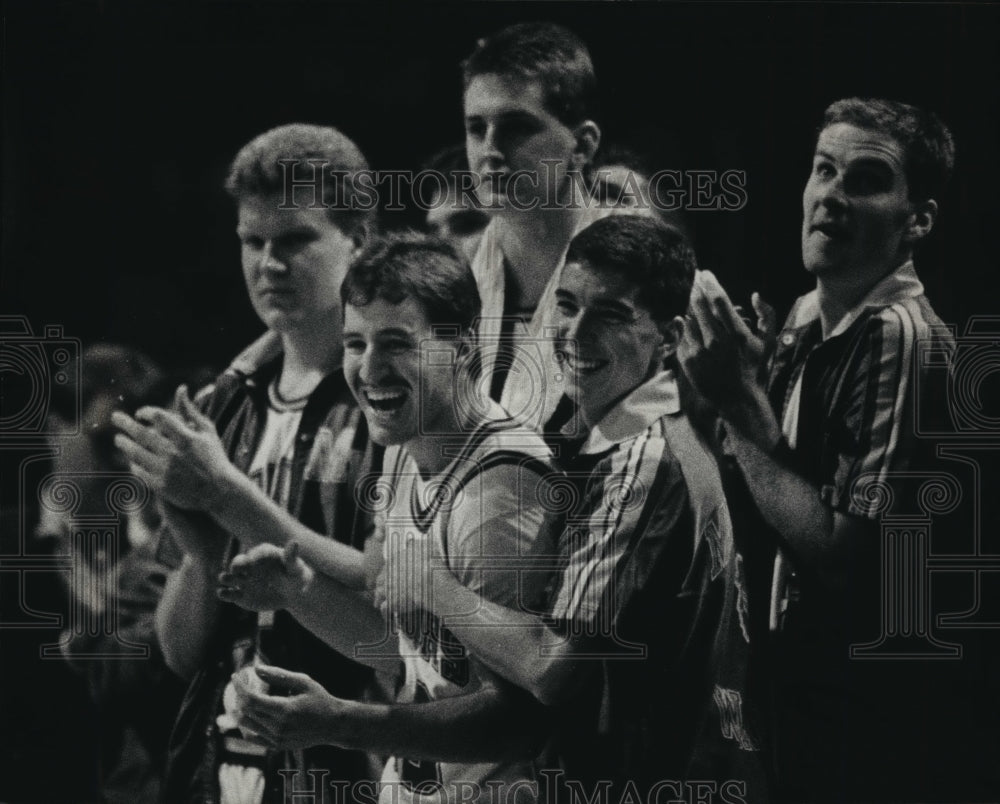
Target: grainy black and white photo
<point>499,403</point>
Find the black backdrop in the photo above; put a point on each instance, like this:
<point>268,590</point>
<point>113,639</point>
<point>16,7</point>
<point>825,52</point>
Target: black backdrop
<point>119,119</point>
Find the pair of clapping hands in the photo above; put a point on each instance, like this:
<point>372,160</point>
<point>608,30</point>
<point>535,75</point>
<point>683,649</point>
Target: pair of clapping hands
<point>723,356</point>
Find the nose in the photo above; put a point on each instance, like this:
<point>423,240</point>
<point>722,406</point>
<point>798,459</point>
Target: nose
<point>830,193</point>
<point>576,328</point>
<point>492,151</point>
<point>270,261</point>
<point>371,366</point>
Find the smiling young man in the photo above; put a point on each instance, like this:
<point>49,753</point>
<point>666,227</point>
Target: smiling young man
<point>458,471</point>
<point>278,451</point>
<point>641,644</point>
<point>529,101</point>
<point>820,443</point>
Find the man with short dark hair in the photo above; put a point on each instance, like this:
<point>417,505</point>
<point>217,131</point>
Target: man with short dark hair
<point>642,642</point>
<point>529,102</point>
<point>458,471</point>
<point>835,421</point>
<point>277,454</point>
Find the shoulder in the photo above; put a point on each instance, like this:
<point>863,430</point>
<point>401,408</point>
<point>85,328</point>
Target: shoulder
<point>505,448</point>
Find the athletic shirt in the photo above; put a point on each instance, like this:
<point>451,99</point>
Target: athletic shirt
<point>484,505</point>
<point>517,347</point>
<point>271,470</point>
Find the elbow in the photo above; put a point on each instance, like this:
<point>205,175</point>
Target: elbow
<point>177,663</point>
<point>557,681</point>
<point>527,732</point>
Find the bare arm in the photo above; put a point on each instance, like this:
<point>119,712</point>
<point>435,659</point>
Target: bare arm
<point>820,539</point>
<point>518,645</point>
<point>268,577</point>
<point>188,612</point>
<point>495,721</point>
<point>721,357</point>
<point>179,455</point>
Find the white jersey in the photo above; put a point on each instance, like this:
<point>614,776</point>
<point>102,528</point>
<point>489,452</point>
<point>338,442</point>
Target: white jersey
<point>482,509</point>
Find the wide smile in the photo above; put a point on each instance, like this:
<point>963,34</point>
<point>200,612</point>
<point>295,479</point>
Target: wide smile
<point>387,400</point>
<point>583,366</point>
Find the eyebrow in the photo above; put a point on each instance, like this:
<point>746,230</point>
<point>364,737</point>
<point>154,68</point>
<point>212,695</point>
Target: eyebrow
<point>601,304</point>
<point>614,305</point>
<point>511,114</point>
<point>394,332</point>
<point>864,161</point>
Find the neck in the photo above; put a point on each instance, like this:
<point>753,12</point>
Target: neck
<point>534,244</point>
<point>308,357</point>
<point>840,293</point>
<point>428,451</point>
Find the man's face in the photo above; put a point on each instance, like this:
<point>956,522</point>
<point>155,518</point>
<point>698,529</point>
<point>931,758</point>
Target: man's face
<point>394,367</point>
<point>507,130</point>
<point>608,342</point>
<point>294,261</point>
<point>856,209</point>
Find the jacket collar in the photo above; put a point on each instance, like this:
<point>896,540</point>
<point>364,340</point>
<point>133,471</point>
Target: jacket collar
<point>258,356</point>
<point>898,286</point>
<point>655,398</point>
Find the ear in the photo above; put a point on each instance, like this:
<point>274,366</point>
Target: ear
<point>672,331</point>
<point>360,235</point>
<point>920,221</point>
<point>588,138</point>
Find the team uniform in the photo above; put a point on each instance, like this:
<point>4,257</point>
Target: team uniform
<point>854,729</point>
<point>517,347</point>
<point>653,586</point>
<point>308,455</point>
<point>482,510</point>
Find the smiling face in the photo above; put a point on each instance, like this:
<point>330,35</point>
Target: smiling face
<point>858,221</point>
<point>294,261</point>
<point>394,367</point>
<point>508,130</point>
<point>606,339</point>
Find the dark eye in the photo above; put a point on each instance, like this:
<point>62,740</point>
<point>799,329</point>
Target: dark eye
<point>398,345</point>
<point>252,241</point>
<point>294,240</point>
<point>566,307</point>
<point>354,346</point>
<point>475,129</point>
<point>866,182</point>
<point>614,317</point>
<point>515,128</point>
<point>824,170</point>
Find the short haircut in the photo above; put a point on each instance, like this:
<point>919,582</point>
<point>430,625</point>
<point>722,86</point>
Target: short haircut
<point>269,162</point>
<point>408,265</point>
<point>540,51</point>
<point>653,256</point>
<point>928,147</point>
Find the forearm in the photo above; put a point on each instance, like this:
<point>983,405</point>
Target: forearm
<point>187,615</point>
<point>346,620</point>
<point>245,511</point>
<point>487,725</point>
<point>816,538</point>
<point>517,645</point>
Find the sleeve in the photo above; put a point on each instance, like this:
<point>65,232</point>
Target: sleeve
<point>637,497</point>
<point>871,433</point>
<point>502,540</point>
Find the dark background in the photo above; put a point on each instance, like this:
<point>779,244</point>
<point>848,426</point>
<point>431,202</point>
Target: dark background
<point>120,118</point>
